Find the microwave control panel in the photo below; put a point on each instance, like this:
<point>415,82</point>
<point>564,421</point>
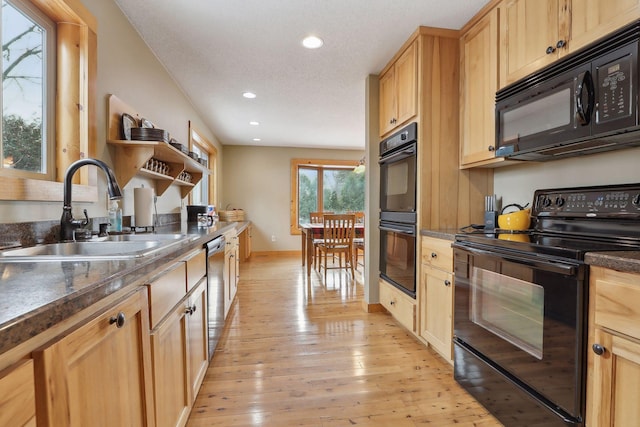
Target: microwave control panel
<point>615,83</point>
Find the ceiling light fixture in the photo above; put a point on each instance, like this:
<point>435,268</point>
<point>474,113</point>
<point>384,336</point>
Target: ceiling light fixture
<point>254,123</point>
<point>360,168</point>
<point>249,95</point>
<point>312,42</point>
<point>257,139</point>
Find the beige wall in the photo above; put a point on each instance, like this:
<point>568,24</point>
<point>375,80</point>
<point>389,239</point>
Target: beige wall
<point>128,69</point>
<point>257,179</point>
<point>516,184</point>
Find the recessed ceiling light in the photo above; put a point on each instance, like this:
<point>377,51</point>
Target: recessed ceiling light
<point>257,139</point>
<point>249,95</point>
<point>312,42</point>
<point>254,123</point>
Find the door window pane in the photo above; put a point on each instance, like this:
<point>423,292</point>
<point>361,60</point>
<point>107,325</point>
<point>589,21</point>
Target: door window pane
<point>307,193</point>
<point>511,308</point>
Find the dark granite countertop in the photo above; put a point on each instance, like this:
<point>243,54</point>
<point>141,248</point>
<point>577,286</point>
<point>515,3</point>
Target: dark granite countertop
<point>37,295</point>
<point>446,233</point>
<point>627,261</point>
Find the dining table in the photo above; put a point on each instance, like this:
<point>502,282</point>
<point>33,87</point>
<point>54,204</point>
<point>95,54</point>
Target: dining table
<point>311,231</point>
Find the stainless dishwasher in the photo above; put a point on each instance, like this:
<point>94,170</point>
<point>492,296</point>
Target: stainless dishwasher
<point>215,291</point>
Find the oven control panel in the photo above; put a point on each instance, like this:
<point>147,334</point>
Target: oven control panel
<point>609,201</point>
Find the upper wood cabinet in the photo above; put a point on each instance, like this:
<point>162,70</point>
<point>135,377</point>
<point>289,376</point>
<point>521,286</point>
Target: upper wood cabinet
<point>592,19</point>
<point>533,33</point>
<point>478,86</point>
<point>398,91</point>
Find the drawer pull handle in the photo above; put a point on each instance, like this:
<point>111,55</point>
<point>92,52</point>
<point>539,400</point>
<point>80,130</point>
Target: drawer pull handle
<point>598,349</point>
<point>447,282</point>
<point>392,302</point>
<point>118,319</point>
<point>434,255</point>
<point>190,310</point>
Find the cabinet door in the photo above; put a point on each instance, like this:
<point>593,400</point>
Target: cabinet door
<point>388,105</point>
<point>197,337</point>
<point>592,19</point>
<point>528,30</point>
<point>616,375</point>
<point>17,395</point>
<point>436,310</point>
<point>170,369</point>
<point>479,83</point>
<point>406,72</point>
<point>100,371</point>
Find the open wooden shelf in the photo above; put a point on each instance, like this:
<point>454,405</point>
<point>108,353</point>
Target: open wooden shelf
<point>132,156</point>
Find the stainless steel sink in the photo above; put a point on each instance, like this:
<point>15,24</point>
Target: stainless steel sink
<point>113,247</point>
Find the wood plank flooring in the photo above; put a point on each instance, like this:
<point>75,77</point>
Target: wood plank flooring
<point>304,353</point>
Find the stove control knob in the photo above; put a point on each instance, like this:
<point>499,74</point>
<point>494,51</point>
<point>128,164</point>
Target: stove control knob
<point>546,201</point>
<point>636,200</point>
<point>559,201</point>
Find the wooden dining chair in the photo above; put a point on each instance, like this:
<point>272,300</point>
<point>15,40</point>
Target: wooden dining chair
<point>338,241</point>
<point>358,242</point>
<point>317,218</point>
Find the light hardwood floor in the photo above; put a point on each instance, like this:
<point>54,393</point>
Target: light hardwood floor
<point>299,353</point>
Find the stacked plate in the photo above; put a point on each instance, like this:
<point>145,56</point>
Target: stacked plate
<point>149,134</point>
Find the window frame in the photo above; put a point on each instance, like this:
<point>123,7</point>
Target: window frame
<point>75,110</point>
<point>294,228</point>
<point>197,138</point>
<point>50,78</point>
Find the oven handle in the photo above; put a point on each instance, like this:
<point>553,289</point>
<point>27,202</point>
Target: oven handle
<point>551,267</point>
<point>398,229</point>
<point>407,152</point>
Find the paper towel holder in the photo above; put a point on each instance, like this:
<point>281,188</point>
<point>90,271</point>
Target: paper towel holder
<point>150,221</point>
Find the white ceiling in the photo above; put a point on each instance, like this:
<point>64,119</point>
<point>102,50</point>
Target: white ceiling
<point>218,49</point>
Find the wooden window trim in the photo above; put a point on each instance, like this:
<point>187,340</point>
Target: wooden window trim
<point>76,127</point>
<point>197,137</point>
<point>295,164</point>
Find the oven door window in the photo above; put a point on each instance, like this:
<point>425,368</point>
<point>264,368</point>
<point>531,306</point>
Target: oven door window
<point>398,182</point>
<point>397,260</point>
<point>510,308</point>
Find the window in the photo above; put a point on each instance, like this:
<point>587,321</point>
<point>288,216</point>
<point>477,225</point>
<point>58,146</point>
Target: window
<point>324,185</point>
<point>35,155</point>
<point>28,79</point>
<point>204,192</point>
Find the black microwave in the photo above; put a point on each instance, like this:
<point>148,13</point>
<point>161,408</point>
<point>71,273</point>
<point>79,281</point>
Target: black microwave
<point>584,103</point>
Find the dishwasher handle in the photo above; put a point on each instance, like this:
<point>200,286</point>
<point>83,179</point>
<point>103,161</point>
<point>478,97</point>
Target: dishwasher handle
<point>216,245</point>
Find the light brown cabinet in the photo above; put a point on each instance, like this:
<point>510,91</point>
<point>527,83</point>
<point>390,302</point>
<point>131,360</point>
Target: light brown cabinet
<point>17,395</point>
<point>197,338</point>
<point>99,371</point>
<point>533,34</point>
<point>398,91</point>
<point>478,86</point>
<point>231,270</point>
<point>401,306</point>
<point>613,349</point>
<point>436,295</point>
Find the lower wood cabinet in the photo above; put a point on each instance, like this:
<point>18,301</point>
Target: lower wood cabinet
<point>99,372</point>
<point>435,295</point>
<point>17,395</point>
<point>613,349</point>
<point>180,357</point>
<point>231,270</point>
<point>401,306</point>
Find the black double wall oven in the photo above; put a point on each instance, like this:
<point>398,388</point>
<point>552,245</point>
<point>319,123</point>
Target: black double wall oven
<point>398,178</point>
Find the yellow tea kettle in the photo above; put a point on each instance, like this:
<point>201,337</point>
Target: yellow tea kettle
<point>518,220</point>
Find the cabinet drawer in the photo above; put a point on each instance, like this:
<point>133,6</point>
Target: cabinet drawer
<point>166,291</point>
<point>617,301</point>
<point>401,306</point>
<point>196,267</point>
<point>437,253</point>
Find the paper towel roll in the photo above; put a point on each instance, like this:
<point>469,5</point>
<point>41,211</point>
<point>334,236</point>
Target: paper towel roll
<point>143,206</point>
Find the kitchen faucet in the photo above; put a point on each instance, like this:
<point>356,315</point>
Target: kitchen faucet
<point>68,225</point>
